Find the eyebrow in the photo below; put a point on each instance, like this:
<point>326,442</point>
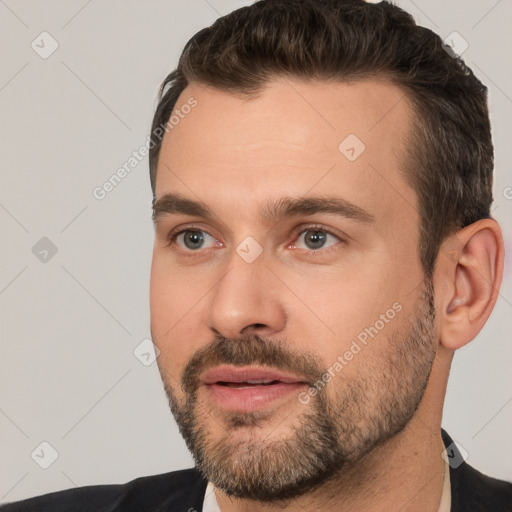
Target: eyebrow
<point>284,207</point>
<point>177,204</point>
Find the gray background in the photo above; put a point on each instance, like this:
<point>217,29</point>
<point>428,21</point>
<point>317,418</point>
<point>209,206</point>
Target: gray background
<point>68,375</point>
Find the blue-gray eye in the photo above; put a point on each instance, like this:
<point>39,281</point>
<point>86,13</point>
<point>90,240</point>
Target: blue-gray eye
<point>315,239</point>
<point>194,239</point>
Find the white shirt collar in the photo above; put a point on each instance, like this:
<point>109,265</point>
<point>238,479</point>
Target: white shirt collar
<point>210,501</point>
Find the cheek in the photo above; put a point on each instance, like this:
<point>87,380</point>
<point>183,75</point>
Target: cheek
<point>340,304</point>
<point>174,304</point>
<point>174,293</point>
<point>342,315</point>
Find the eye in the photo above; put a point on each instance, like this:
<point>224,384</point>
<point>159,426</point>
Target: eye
<point>314,239</point>
<point>194,239</point>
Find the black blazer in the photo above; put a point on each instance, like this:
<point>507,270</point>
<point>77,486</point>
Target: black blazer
<point>183,491</point>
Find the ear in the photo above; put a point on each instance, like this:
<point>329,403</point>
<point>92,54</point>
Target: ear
<point>468,275</point>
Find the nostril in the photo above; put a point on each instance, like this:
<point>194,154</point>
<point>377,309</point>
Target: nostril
<point>253,329</point>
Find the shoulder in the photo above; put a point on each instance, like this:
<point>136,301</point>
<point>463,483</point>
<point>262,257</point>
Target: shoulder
<point>473,491</point>
<point>177,490</point>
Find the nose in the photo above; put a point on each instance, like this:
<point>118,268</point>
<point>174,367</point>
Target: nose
<point>246,301</point>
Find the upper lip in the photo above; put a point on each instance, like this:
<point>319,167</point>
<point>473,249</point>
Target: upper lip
<point>245,374</point>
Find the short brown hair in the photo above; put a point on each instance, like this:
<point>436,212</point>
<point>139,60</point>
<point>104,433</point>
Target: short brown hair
<point>451,153</point>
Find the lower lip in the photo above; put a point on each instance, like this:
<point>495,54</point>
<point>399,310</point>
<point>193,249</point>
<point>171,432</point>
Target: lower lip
<point>252,398</point>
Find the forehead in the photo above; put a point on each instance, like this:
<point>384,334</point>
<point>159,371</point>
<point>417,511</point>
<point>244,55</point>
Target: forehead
<point>294,137</point>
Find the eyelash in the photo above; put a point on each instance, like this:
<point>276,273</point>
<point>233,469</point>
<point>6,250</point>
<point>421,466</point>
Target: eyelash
<point>171,237</point>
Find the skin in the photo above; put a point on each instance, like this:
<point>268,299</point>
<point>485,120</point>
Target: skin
<point>235,155</point>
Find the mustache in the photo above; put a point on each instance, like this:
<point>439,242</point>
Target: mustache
<point>250,350</point>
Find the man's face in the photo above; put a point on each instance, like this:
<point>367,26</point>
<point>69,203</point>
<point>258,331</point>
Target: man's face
<point>288,254</point>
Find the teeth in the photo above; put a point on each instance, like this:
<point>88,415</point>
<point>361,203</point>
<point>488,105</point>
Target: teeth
<point>260,381</point>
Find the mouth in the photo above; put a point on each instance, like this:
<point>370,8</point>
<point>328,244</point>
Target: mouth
<point>247,385</point>
<point>249,389</point>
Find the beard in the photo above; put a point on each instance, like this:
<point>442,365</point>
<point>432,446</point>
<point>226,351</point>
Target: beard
<point>333,433</point>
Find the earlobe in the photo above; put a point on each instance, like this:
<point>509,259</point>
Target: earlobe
<point>470,280</point>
